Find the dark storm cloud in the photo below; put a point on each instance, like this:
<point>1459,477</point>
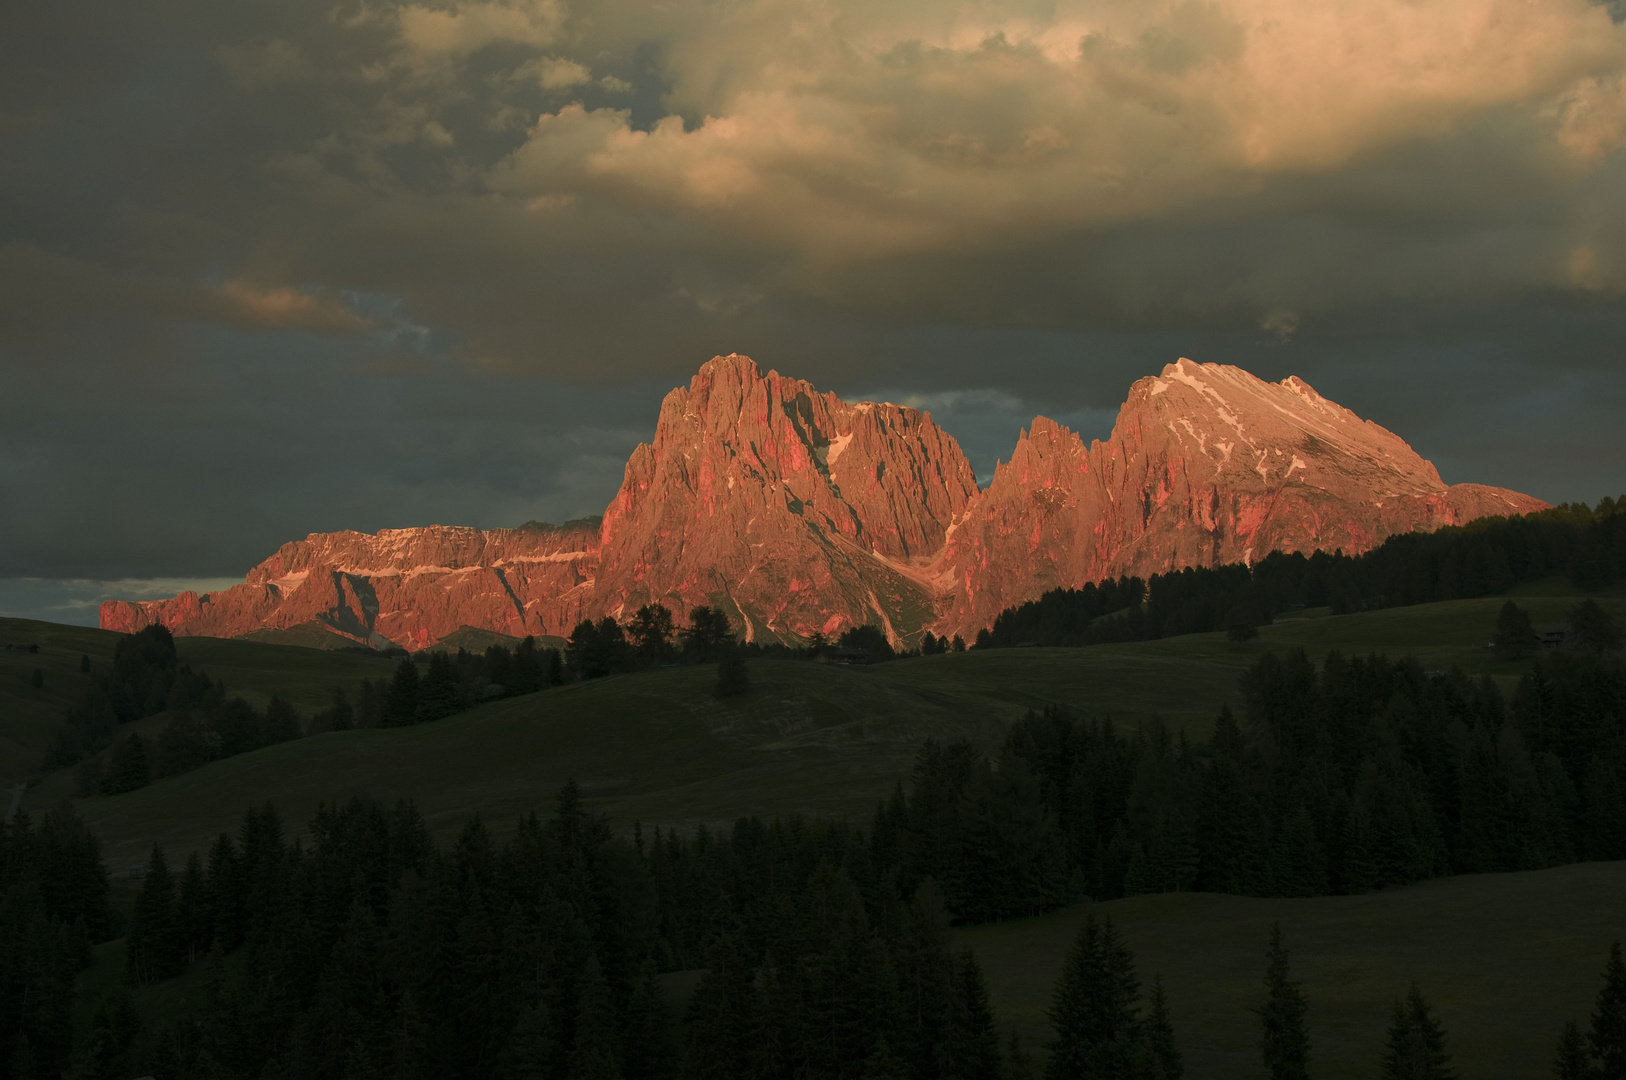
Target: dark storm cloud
<point>267,269</point>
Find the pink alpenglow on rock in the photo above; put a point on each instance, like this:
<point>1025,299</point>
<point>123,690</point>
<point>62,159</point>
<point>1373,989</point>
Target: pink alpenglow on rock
<point>797,512</point>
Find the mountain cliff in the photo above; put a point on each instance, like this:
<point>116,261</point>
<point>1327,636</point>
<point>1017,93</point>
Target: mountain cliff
<point>798,512</point>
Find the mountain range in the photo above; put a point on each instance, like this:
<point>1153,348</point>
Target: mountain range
<point>797,512</point>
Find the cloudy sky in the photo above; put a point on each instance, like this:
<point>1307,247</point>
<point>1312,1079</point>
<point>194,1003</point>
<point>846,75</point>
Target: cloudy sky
<point>268,268</point>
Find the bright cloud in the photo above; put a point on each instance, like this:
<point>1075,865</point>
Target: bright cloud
<point>859,130</point>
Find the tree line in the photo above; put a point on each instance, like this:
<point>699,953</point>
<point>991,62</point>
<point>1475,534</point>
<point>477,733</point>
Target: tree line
<point>1482,558</point>
<point>1361,773</point>
<point>368,951</point>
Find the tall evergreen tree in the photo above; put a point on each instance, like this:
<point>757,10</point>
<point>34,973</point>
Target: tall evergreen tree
<point>1284,1040</point>
<point>154,940</point>
<point>401,704</point>
<point>1017,1062</point>
<point>1095,1011</point>
<point>1514,638</point>
<point>1161,1058</point>
<point>1572,1061</point>
<point>1415,1049</point>
<point>439,694</point>
<point>973,1039</point>
<point>732,677</point>
<point>1594,630</point>
<point>1607,1036</point>
<point>651,632</point>
<point>128,767</point>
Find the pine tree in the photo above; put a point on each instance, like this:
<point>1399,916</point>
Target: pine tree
<point>192,910</point>
<point>651,631</point>
<point>1298,865</point>
<point>1284,1038</point>
<point>647,1048</point>
<point>1018,1063</point>
<point>281,723</point>
<point>720,1017</point>
<point>1416,1046</point>
<point>1095,1009</point>
<point>1514,637</point>
<point>1594,630</point>
<point>973,1039</point>
<point>531,1050</point>
<point>1572,1061</point>
<point>1607,1037</point>
<point>128,767</point>
<point>732,677</point>
<point>401,703</point>
<point>439,694</point>
<point>1161,1055</point>
<point>154,938</point>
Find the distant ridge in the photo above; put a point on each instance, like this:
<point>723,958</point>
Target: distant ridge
<point>798,512</point>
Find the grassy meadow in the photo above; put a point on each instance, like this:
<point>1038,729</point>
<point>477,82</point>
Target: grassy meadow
<point>1504,959</point>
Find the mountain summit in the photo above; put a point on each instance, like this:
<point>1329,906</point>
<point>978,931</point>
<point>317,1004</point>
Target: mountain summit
<point>798,512</point>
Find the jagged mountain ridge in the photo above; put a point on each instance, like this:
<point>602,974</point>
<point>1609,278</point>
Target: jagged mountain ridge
<point>798,512</point>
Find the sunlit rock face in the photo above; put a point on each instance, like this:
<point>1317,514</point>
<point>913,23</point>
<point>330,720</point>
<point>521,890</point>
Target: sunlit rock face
<point>798,512</point>
<point>1206,465</point>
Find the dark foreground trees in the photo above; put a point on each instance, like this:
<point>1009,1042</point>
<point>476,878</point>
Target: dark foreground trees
<point>364,950</point>
<point>1600,1054</point>
<point>1096,1013</point>
<point>1284,1037</point>
<point>1415,1048</point>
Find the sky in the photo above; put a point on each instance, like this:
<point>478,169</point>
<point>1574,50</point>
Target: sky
<point>273,268</point>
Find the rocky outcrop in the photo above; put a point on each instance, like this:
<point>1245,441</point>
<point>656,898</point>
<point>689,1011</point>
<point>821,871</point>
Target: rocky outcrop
<point>1206,465</point>
<point>407,587</point>
<point>798,512</point>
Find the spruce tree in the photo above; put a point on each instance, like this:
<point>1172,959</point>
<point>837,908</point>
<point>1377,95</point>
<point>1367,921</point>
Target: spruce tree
<point>1607,1037</point>
<point>128,766</point>
<point>732,677</point>
<point>1095,1009</point>
<point>1594,630</point>
<point>1514,637</point>
<point>531,1053</point>
<point>973,1040</point>
<point>401,704</point>
<point>1018,1063</point>
<point>720,1017</point>
<point>154,947</point>
<point>1298,865</point>
<point>439,694</point>
<point>37,680</point>
<point>192,910</point>
<point>1284,1037</point>
<point>1415,1049</point>
<point>1572,1061</point>
<point>1160,1054</point>
<point>647,1048</point>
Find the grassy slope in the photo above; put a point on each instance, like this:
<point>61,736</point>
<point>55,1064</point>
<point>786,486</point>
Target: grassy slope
<point>1505,959</point>
<point>29,717</point>
<point>657,746</point>
<point>253,670</point>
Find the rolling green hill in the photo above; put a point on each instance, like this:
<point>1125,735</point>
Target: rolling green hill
<point>251,669</point>
<point>1505,959</point>
<point>657,746</point>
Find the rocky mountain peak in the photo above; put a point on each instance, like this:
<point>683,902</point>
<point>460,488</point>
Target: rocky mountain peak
<point>798,512</point>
